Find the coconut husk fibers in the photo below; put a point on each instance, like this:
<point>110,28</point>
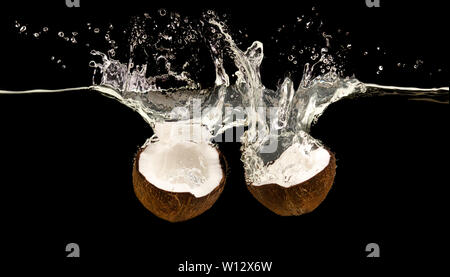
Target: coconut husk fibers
<point>174,206</point>
<point>298,199</point>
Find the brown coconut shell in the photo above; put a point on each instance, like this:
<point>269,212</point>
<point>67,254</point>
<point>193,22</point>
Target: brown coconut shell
<point>298,199</point>
<point>174,206</point>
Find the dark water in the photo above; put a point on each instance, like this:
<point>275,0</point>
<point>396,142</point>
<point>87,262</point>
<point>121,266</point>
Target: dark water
<point>66,169</point>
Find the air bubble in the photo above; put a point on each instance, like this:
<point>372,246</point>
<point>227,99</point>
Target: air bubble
<point>60,34</point>
<point>36,35</point>
<point>23,29</point>
<point>380,67</point>
<point>45,29</point>
<point>96,30</point>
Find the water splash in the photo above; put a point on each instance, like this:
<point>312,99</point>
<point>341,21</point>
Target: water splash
<point>276,119</point>
<point>165,91</point>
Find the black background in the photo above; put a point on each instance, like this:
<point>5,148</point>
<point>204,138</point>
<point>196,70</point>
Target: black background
<point>66,159</point>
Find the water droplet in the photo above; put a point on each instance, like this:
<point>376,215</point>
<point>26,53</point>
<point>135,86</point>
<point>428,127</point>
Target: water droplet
<point>349,46</point>
<point>162,12</point>
<point>45,29</point>
<point>63,66</point>
<point>74,34</point>
<point>294,62</point>
<point>17,25</point>
<point>52,58</point>
<point>399,64</point>
<point>58,61</point>
<point>96,30</point>
<point>380,67</point>
<point>365,53</point>
<point>378,48</point>
<point>73,40</point>
<point>36,35</point>
<point>61,34</point>
<point>291,58</point>
<point>23,29</point>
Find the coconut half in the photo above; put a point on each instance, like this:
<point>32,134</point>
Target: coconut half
<point>178,180</point>
<point>296,183</point>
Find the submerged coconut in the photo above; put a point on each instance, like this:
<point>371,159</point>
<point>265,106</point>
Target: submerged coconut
<point>178,179</point>
<point>296,183</point>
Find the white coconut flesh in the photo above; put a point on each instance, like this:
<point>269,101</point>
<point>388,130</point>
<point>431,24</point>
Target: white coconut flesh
<point>295,166</point>
<point>181,166</point>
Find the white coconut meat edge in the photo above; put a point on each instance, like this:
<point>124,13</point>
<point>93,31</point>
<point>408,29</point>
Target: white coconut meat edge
<point>295,166</point>
<point>181,166</point>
